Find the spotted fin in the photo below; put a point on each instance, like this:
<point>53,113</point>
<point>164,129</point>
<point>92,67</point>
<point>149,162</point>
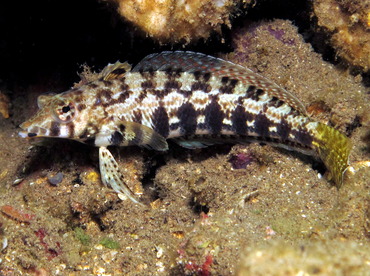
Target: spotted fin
<point>192,62</point>
<point>112,176</point>
<point>115,71</point>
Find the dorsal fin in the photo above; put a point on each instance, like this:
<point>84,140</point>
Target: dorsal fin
<point>115,71</point>
<point>196,62</point>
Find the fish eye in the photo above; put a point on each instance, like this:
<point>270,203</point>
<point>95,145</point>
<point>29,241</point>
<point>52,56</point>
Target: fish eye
<point>66,108</point>
<point>65,112</point>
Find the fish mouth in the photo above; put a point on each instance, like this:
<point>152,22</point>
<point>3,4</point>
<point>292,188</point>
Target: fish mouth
<point>31,132</point>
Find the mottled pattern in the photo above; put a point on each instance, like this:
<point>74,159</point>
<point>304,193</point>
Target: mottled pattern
<point>194,99</point>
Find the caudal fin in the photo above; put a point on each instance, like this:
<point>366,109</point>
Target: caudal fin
<point>333,148</point>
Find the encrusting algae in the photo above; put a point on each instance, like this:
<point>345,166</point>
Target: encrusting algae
<point>175,21</point>
<point>348,23</point>
<point>191,98</point>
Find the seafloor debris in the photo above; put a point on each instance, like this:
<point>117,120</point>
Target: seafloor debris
<point>82,236</point>
<point>52,252</point>
<point>13,213</point>
<point>241,160</point>
<point>55,179</point>
<point>173,21</point>
<point>109,243</point>
<point>348,23</point>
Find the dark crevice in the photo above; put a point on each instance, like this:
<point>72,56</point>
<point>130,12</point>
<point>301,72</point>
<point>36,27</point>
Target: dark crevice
<point>356,123</point>
<point>198,208</point>
<point>152,164</point>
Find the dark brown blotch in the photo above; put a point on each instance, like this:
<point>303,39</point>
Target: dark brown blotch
<point>137,116</point>
<point>148,84</point>
<point>207,76</point>
<point>239,119</point>
<point>160,121</point>
<point>214,117</point>
<point>81,107</point>
<point>250,91</point>
<point>186,93</point>
<point>55,129</point>
<point>188,119</point>
<point>228,86</point>
<point>261,125</point>
<point>123,97</point>
<point>92,85</point>
<point>283,129</point>
<point>119,71</point>
<point>275,102</point>
<point>71,129</point>
<point>122,128</point>
<point>173,72</point>
<point>172,84</point>
<point>197,74</point>
<point>116,138</point>
<point>107,83</point>
<point>124,87</point>
<point>201,86</point>
<point>302,137</point>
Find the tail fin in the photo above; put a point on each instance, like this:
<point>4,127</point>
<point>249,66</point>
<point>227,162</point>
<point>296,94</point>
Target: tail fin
<point>333,148</point>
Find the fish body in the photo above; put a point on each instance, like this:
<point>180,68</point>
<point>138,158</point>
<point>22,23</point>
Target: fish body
<point>195,100</point>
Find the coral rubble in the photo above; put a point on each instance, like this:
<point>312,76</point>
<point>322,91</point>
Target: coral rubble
<point>348,22</point>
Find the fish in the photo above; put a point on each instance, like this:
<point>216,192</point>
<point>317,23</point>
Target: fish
<point>193,99</point>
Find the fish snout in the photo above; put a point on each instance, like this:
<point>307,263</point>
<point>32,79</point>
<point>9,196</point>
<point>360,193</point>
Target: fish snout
<point>29,131</point>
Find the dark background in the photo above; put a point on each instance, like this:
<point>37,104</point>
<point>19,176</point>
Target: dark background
<point>50,39</point>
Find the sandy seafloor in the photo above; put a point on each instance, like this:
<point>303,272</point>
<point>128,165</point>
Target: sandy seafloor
<point>280,215</point>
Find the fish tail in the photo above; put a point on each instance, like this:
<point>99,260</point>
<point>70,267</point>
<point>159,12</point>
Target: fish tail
<point>333,148</point>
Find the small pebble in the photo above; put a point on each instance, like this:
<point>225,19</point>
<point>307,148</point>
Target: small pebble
<point>17,181</point>
<point>56,179</point>
<point>241,160</point>
<point>5,243</point>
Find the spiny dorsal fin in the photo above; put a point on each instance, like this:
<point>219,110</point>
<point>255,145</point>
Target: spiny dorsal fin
<point>115,71</point>
<point>196,62</point>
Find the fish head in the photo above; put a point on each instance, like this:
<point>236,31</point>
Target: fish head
<point>63,115</point>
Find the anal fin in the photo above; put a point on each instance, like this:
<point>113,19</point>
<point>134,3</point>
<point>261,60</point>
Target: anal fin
<point>192,144</point>
<point>112,176</point>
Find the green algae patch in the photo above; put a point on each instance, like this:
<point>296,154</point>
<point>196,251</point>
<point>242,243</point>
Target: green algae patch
<point>110,243</point>
<point>82,236</point>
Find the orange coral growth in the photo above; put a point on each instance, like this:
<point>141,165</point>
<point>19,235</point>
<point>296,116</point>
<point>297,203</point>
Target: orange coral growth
<point>4,105</point>
<point>173,20</point>
<point>13,213</point>
<point>348,21</point>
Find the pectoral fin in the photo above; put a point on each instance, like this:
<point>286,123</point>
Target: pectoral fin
<point>130,134</point>
<point>112,176</point>
<point>138,134</point>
